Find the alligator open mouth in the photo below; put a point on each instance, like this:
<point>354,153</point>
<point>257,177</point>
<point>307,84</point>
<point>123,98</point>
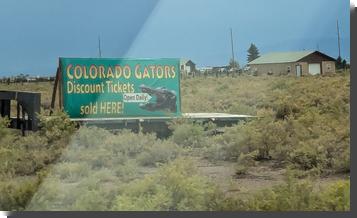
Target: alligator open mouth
<point>165,99</point>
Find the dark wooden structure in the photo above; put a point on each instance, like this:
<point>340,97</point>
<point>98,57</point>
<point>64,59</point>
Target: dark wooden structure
<point>160,125</point>
<point>27,108</point>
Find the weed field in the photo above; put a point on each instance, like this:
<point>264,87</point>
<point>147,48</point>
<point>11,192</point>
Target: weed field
<point>294,156</point>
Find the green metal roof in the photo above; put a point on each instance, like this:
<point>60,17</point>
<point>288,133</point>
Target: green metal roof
<point>281,57</point>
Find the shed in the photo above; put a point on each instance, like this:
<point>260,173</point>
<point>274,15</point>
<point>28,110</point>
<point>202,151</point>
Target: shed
<point>300,63</point>
<point>187,67</point>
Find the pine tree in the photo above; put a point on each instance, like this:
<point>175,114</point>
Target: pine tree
<point>253,53</point>
<point>344,64</point>
<point>339,62</point>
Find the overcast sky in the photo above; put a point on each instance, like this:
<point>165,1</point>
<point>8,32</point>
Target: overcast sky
<point>33,34</point>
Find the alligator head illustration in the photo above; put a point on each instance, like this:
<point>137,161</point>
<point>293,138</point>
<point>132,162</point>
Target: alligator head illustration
<point>165,99</point>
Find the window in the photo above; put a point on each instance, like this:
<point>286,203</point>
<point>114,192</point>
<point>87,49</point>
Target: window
<point>289,69</point>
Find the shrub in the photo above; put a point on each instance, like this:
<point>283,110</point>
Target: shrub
<point>307,157</point>
<point>175,186</point>
<point>294,195</point>
<point>26,155</point>
<point>72,172</point>
<point>341,163</point>
<point>285,108</point>
<point>249,159</point>
<point>53,194</point>
<point>241,170</point>
<point>188,135</point>
<point>58,126</point>
<point>127,171</point>
<point>161,152</point>
<point>4,123</point>
<point>217,151</point>
<point>4,131</point>
<point>16,193</point>
<point>262,135</point>
<point>245,161</point>
<point>90,137</point>
<point>227,146</point>
<point>335,197</point>
<point>130,144</point>
<point>242,109</point>
<point>92,200</point>
<point>94,191</point>
<point>6,135</point>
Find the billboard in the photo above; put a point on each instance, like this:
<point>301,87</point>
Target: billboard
<point>118,88</point>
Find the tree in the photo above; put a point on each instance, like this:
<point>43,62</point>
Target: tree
<point>341,63</point>
<point>253,53</point>
<point>344,64</point>
<point>21,78</point>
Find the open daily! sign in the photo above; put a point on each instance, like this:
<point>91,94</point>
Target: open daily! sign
<point>116,88</point>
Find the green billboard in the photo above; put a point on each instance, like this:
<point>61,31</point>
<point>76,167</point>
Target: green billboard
<point>118,88</point>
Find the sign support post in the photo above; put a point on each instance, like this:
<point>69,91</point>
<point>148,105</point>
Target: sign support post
<point>56,86</point>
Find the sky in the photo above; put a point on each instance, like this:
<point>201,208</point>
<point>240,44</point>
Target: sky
<point>33,34</point>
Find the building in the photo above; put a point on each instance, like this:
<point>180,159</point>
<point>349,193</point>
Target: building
<point>298,64</point>
<point>221,69</point>
<point>187,67</point>
<point>205,69</point>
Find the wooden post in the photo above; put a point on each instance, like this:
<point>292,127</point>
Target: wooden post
<point>18,115</point>
<point>23,121</point>
<point>54,91</point>
<point>60,89</point>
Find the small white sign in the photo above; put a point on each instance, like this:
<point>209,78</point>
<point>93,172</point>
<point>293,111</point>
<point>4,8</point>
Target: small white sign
<point>136,97</point>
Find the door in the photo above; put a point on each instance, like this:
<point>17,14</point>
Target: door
<point>298,70</point>
<point>314,69</point>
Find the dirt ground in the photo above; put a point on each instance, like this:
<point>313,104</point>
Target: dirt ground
<point>263,176</point>
<point>259,177</point>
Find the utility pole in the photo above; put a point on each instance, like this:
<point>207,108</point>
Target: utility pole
<point>232,47</point>
<point>339,40</point>
<point>233,60</point>
<point>99,47</point>
<point>317,47</point>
